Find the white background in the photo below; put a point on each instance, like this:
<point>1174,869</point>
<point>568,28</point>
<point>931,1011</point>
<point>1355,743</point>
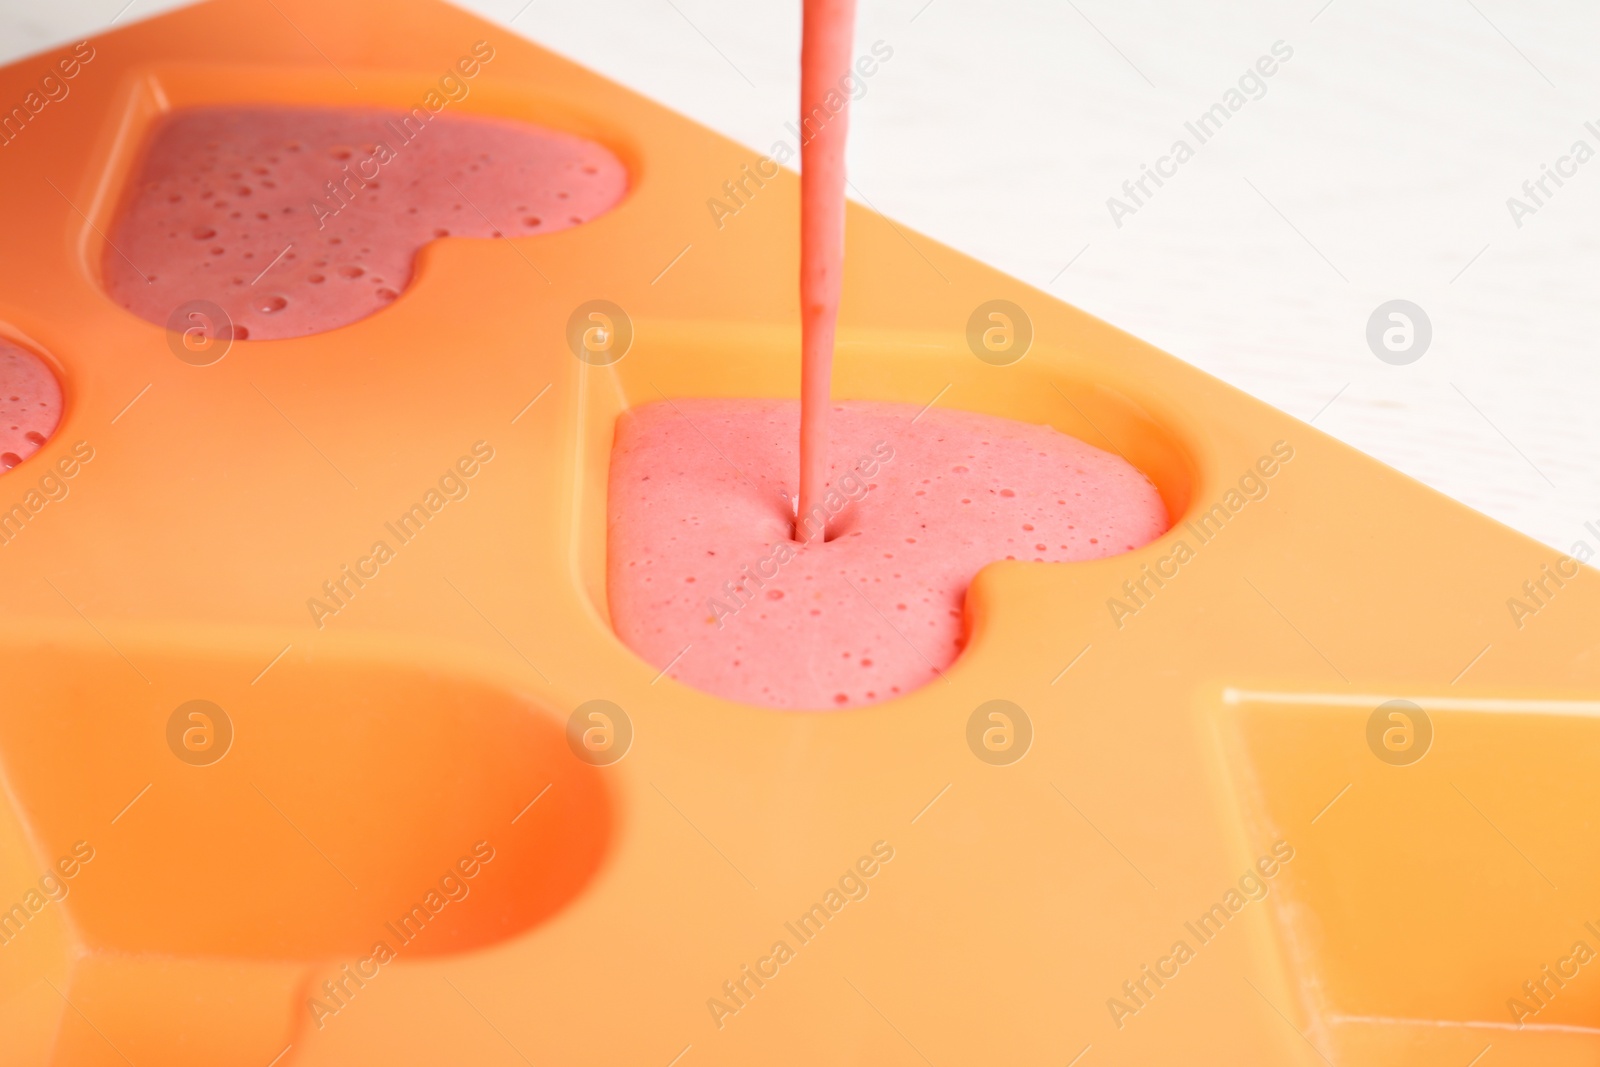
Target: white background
<point>1377,166</point>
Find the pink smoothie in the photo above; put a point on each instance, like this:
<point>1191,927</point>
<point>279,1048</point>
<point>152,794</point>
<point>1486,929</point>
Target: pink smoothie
<point>705,579</point>
<point>300,220</point>
<point>827,28</point>
<point>30,404</point>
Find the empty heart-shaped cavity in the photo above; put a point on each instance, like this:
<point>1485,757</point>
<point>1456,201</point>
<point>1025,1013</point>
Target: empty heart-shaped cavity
<point>337,801</point>
<point>707,581</point>
<point>296,220</point>
<point>30,404</point>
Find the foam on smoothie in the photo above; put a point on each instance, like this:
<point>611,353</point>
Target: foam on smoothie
<point>30,404</point>
<point>299,220</point>
<point>705,580</point>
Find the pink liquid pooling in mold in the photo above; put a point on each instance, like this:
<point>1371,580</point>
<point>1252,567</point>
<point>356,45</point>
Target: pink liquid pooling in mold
<point>299,220</point>
<point>30,404</point>
<point>705,579</point>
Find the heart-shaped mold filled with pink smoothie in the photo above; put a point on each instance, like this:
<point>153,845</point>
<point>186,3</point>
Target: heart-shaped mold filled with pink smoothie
<point>706,581</point>
<point>299,220</point>
<point>30,404</point>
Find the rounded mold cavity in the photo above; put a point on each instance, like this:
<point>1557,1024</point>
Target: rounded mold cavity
<point>31,403</point>
<point>1100,413</point>
<point>331,805</point>
<point>284,221</point>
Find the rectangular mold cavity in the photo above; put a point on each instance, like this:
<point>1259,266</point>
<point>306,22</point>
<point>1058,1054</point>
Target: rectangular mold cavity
<point>1425,893</point>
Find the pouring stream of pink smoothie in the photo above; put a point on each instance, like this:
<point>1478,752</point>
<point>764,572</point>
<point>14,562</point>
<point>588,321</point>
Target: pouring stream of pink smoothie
<point>824,64</point>
<point>857,597</point>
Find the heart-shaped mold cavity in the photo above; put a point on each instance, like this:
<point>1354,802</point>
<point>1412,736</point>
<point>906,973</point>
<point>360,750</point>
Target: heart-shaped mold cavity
<point>298,220</point>
<point>708,579</point>
<point>336,802</point>
<point>30,404</point>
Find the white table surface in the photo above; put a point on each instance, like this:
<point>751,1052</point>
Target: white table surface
<point>1376,166</point>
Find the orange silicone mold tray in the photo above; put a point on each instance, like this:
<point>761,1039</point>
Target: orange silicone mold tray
<point>449,818</point>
